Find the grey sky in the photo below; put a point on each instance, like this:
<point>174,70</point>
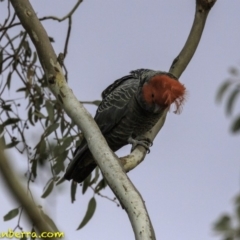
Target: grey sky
<point>192,173</point>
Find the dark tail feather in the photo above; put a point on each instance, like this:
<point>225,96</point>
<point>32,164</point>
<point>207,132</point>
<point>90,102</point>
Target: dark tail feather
<point>82,164</point>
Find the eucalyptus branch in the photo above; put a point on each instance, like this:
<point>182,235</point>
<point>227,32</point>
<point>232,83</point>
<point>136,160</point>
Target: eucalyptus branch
<point>17,190</point>
<point>182,60</point>
<point>108,162</point>
<point>178,66</point>
<point>68,35</point>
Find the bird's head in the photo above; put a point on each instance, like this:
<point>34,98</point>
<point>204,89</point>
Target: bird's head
<point>156,93</point>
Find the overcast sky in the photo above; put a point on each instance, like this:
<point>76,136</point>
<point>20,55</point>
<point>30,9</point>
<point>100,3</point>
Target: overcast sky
<point>192,173</point>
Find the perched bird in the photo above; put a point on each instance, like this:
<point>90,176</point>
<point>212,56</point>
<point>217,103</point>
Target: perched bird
<point>131,106</point>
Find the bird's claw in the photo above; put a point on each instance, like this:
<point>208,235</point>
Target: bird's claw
<point>140,140</point>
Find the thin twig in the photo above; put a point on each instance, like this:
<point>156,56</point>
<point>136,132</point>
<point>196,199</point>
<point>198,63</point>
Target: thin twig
<point>182,60</point>
<point>8,16</point>
<point>65,17</point>
<point>68,36</point>
<point>114,200</point>
<point>5,29</point>
<point>48,17</point>
<point>19,219</point>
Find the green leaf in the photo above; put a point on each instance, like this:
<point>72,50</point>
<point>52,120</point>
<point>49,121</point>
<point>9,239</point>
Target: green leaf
<point>236,125</point>
<point>102,184</point>
<point>234,71</point>
<point>9,78</point>
<point>41,146</point>
<point>48,188</point>
<point>1,128</point>
<point>21,89</point>
<point>90,211</point>
<point>237,200</point>
<point>11,214</point>
<point>61,180</point>
<point>59,162</point>
<point>231,100</point>
<point>238,212</point>
<point>2,140</point>
<point>1,60</point>
<point>34,58</point>
<point>35,118</point>
<point>66,143</point>
<point>223,224</point>
<point>62,126</point>
<point>11,121</point>
<point>12,144</point>
<point>30,116</point>
<point>50,111</point>
<point>7,107</point>
<point>39,114</point>
<point>73,191</point>
<point>51,129</point>
<point>222,90</point>
<point>34,168</point>
<point>38,89</point>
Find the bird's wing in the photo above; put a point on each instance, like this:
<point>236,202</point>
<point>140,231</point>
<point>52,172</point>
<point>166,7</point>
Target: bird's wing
<point>115,84</point>
<point>142,72</point>
<point>111,110</point>
<point>135,74</point>
<point>115,102</point>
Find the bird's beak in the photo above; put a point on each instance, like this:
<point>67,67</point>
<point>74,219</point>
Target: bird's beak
<point>156,108</point>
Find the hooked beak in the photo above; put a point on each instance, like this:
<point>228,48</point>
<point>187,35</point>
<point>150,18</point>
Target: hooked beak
<point>157,108</point>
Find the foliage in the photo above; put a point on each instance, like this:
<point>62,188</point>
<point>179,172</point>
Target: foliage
<point>231,88</point>
<point>229,226</point>
<point>31,120</point>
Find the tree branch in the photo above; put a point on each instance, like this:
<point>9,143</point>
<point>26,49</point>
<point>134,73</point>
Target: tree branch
<point>3,28</point>
<point>177,68</point>
<point>105,158</point>
<point>182,60</point>
<point>65,17</point>
<point>18,192</point>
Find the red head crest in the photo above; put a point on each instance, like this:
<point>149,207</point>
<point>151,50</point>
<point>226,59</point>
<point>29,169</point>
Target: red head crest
<point>163,91</point>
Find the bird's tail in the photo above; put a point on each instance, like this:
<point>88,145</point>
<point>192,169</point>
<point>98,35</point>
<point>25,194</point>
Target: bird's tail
<point>82,164</point>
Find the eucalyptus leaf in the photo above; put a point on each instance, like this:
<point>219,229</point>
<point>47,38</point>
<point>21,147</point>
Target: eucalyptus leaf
<point>11,214</point>
<point>90,211</point>
<point>48,188</point>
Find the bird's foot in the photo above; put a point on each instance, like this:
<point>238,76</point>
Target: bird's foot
<point>140,140</point>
